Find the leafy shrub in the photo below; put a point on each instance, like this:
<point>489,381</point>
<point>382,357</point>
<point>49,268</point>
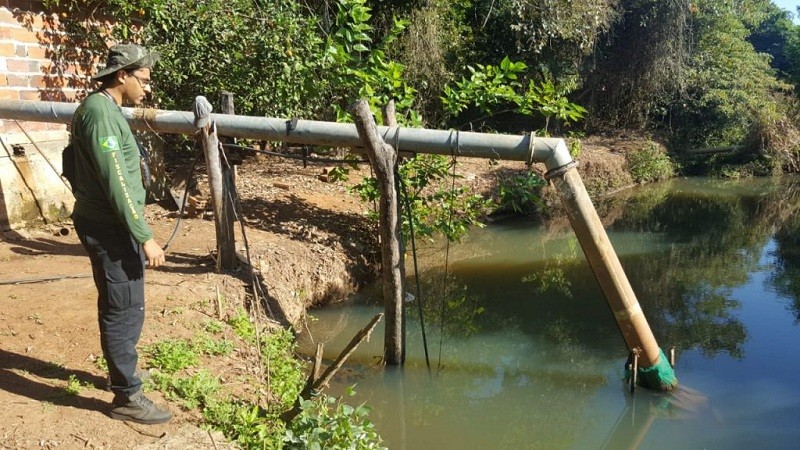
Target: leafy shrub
<point>213,326</point>
<point>249,425</point>
<point>650,164</point>
<point>172,355</point>
<point>213,347</point>
<point>193,391</point>
<point>101,363</point>
<point>242,325</point>
<point>490,88</point>
<point>521,193</point>
<point>436,206</point>
<point>326,422</point>
<point>73,385</point>
<point>284,370</point>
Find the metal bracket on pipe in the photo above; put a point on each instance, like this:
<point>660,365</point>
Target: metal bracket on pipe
<point>558,171</point>
<point>531,148</point>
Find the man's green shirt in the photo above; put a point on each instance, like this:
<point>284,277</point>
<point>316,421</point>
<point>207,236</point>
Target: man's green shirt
<point>108,185</point>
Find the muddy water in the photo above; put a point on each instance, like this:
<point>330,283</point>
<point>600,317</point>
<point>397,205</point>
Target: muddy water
<point>524,353</point>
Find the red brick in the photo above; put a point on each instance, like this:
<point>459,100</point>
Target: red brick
<point>17,65</point>
<point>3,80</point>
<point>30,95</point>
<point>51,81</point>
<point>18,80</point>
<point>7,16</point>
<point>6,49</point>
<point>23,18</point>
<point>9,94</point>
<point>56,95</point>
<point>47,36</point>
<point>23,35</point>
<point>35,51</point>
<point>37,22</point>
<point>6,32</point>
<point>39,81</point>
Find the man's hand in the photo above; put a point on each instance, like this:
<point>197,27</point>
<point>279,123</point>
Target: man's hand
<point>154,253</point>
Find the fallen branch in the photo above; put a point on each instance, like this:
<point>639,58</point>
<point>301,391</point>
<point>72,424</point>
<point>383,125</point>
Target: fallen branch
<point>315,384</point>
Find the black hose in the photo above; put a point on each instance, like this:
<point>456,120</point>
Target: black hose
<point>407,202</point>
<point>183,203</point>
<point>303,158</point>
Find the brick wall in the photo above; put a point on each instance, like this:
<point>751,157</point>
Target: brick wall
<point>39,60</point>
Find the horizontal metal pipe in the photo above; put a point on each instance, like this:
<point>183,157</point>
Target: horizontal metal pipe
<point>552,152</point>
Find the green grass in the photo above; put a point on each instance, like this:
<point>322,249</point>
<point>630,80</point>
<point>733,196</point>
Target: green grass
<point>242,325</point>
<point>172,355</point>
<point>213,347</point>
<point>213,326</point>
<point>73,385</point>
<point>192,392</point>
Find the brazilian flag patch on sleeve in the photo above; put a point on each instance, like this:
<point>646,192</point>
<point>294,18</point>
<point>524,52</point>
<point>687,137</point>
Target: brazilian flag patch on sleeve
<point>109,144</point>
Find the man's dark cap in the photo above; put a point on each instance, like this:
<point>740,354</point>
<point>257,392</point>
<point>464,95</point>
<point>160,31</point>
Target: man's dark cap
<point>127,56</point>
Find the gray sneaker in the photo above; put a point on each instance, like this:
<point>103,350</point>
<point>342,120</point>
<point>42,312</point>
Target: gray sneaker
<point>142,374</point>
<point>139,409</point>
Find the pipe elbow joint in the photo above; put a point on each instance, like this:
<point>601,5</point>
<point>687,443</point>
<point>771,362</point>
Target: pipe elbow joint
<point>553,152</point>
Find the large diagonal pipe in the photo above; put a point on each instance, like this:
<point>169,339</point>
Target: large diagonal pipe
<point>552,152</point>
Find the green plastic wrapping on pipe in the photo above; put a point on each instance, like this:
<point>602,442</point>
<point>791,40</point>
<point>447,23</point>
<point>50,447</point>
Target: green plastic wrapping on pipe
<point>659,377</point>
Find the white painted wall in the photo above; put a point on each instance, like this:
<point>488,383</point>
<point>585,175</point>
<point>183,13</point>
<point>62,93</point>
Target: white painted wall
<point>28,179</point>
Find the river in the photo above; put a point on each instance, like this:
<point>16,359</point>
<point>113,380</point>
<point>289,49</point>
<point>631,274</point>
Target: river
<point>524,352</point>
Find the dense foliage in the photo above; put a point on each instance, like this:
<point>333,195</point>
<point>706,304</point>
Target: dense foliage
<point>704,73</point>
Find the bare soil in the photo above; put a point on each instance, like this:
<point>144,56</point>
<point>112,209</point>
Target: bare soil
<point>308,239</point>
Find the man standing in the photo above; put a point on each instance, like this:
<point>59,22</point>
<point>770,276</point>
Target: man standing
<point>109,220</point>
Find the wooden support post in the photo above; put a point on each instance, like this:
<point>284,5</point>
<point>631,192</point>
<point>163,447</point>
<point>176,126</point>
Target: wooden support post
<point>226,249</point>
<point>607,268</point>
<point>234,157</point>
<point>390,114</point>
<point>383,158</point>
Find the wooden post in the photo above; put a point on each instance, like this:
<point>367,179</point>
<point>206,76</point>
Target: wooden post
<point>229,170</point>
<point>226,250</point>
<point>607,268</point>
<point>383,158</point>
<point>230,262</point>
<point>390,114</point>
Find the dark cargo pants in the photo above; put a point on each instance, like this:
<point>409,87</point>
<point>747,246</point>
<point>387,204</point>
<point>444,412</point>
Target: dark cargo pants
<point>118,269</point>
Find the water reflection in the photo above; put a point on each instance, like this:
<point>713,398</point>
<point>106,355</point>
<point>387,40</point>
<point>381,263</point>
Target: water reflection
<point>644,408</point>
<point>528,354</point>
<point>786,277</point>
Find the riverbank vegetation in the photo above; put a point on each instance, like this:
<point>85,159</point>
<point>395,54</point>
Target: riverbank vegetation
<point>692,74</point>
<point>181,372</point>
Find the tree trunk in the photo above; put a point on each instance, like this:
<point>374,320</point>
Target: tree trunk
<point>383,159</point>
